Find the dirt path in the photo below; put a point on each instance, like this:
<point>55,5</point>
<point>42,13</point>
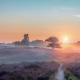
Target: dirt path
<point>60,73</point>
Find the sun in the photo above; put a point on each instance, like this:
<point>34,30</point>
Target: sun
<point>65,39</point>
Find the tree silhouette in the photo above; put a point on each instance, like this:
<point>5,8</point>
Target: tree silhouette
<point>54,42</point>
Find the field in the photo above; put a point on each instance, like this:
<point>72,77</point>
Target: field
<point>26,63</point>
<point>28,71</point>
<point>35,63</point>
<point>11,54</point>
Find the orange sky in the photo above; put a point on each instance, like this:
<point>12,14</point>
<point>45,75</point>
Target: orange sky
<point>14,32</point>
<point>40,19</point>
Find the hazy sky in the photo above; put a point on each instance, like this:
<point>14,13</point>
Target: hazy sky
<point>40,19</point>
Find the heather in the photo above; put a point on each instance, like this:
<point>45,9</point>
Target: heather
<point>73,68</point>
<point>28,71</point>
<point>36,63</point>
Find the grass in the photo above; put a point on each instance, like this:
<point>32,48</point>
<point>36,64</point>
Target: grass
<point>75,78</point>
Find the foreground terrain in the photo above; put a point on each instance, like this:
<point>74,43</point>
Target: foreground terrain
<point>28,71</point>
<point>34,63</point>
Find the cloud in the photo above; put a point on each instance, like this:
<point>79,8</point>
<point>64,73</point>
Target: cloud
<point>77,16</point>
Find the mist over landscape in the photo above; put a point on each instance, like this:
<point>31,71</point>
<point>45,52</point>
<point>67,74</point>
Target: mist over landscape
<point>20,56</point>
<point>39,40</point>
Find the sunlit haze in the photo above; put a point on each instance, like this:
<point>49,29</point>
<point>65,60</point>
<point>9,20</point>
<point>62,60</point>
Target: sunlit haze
<point>65,39</point>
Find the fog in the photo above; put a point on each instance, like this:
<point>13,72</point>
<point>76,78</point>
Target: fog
<point>13,54</point>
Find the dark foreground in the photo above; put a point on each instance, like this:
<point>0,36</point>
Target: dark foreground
<point>28,71</point>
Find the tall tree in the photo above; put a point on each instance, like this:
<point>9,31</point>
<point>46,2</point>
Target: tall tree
<point>54,42</point>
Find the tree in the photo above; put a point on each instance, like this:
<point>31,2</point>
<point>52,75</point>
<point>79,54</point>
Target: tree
<point>54,42</point>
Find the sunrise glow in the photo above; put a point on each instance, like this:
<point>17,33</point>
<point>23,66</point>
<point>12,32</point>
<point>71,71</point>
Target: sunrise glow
<point>40,19</point>
<point>65,39</point>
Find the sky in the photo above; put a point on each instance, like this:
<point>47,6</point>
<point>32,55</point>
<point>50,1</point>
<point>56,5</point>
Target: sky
<point>40,19</point>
